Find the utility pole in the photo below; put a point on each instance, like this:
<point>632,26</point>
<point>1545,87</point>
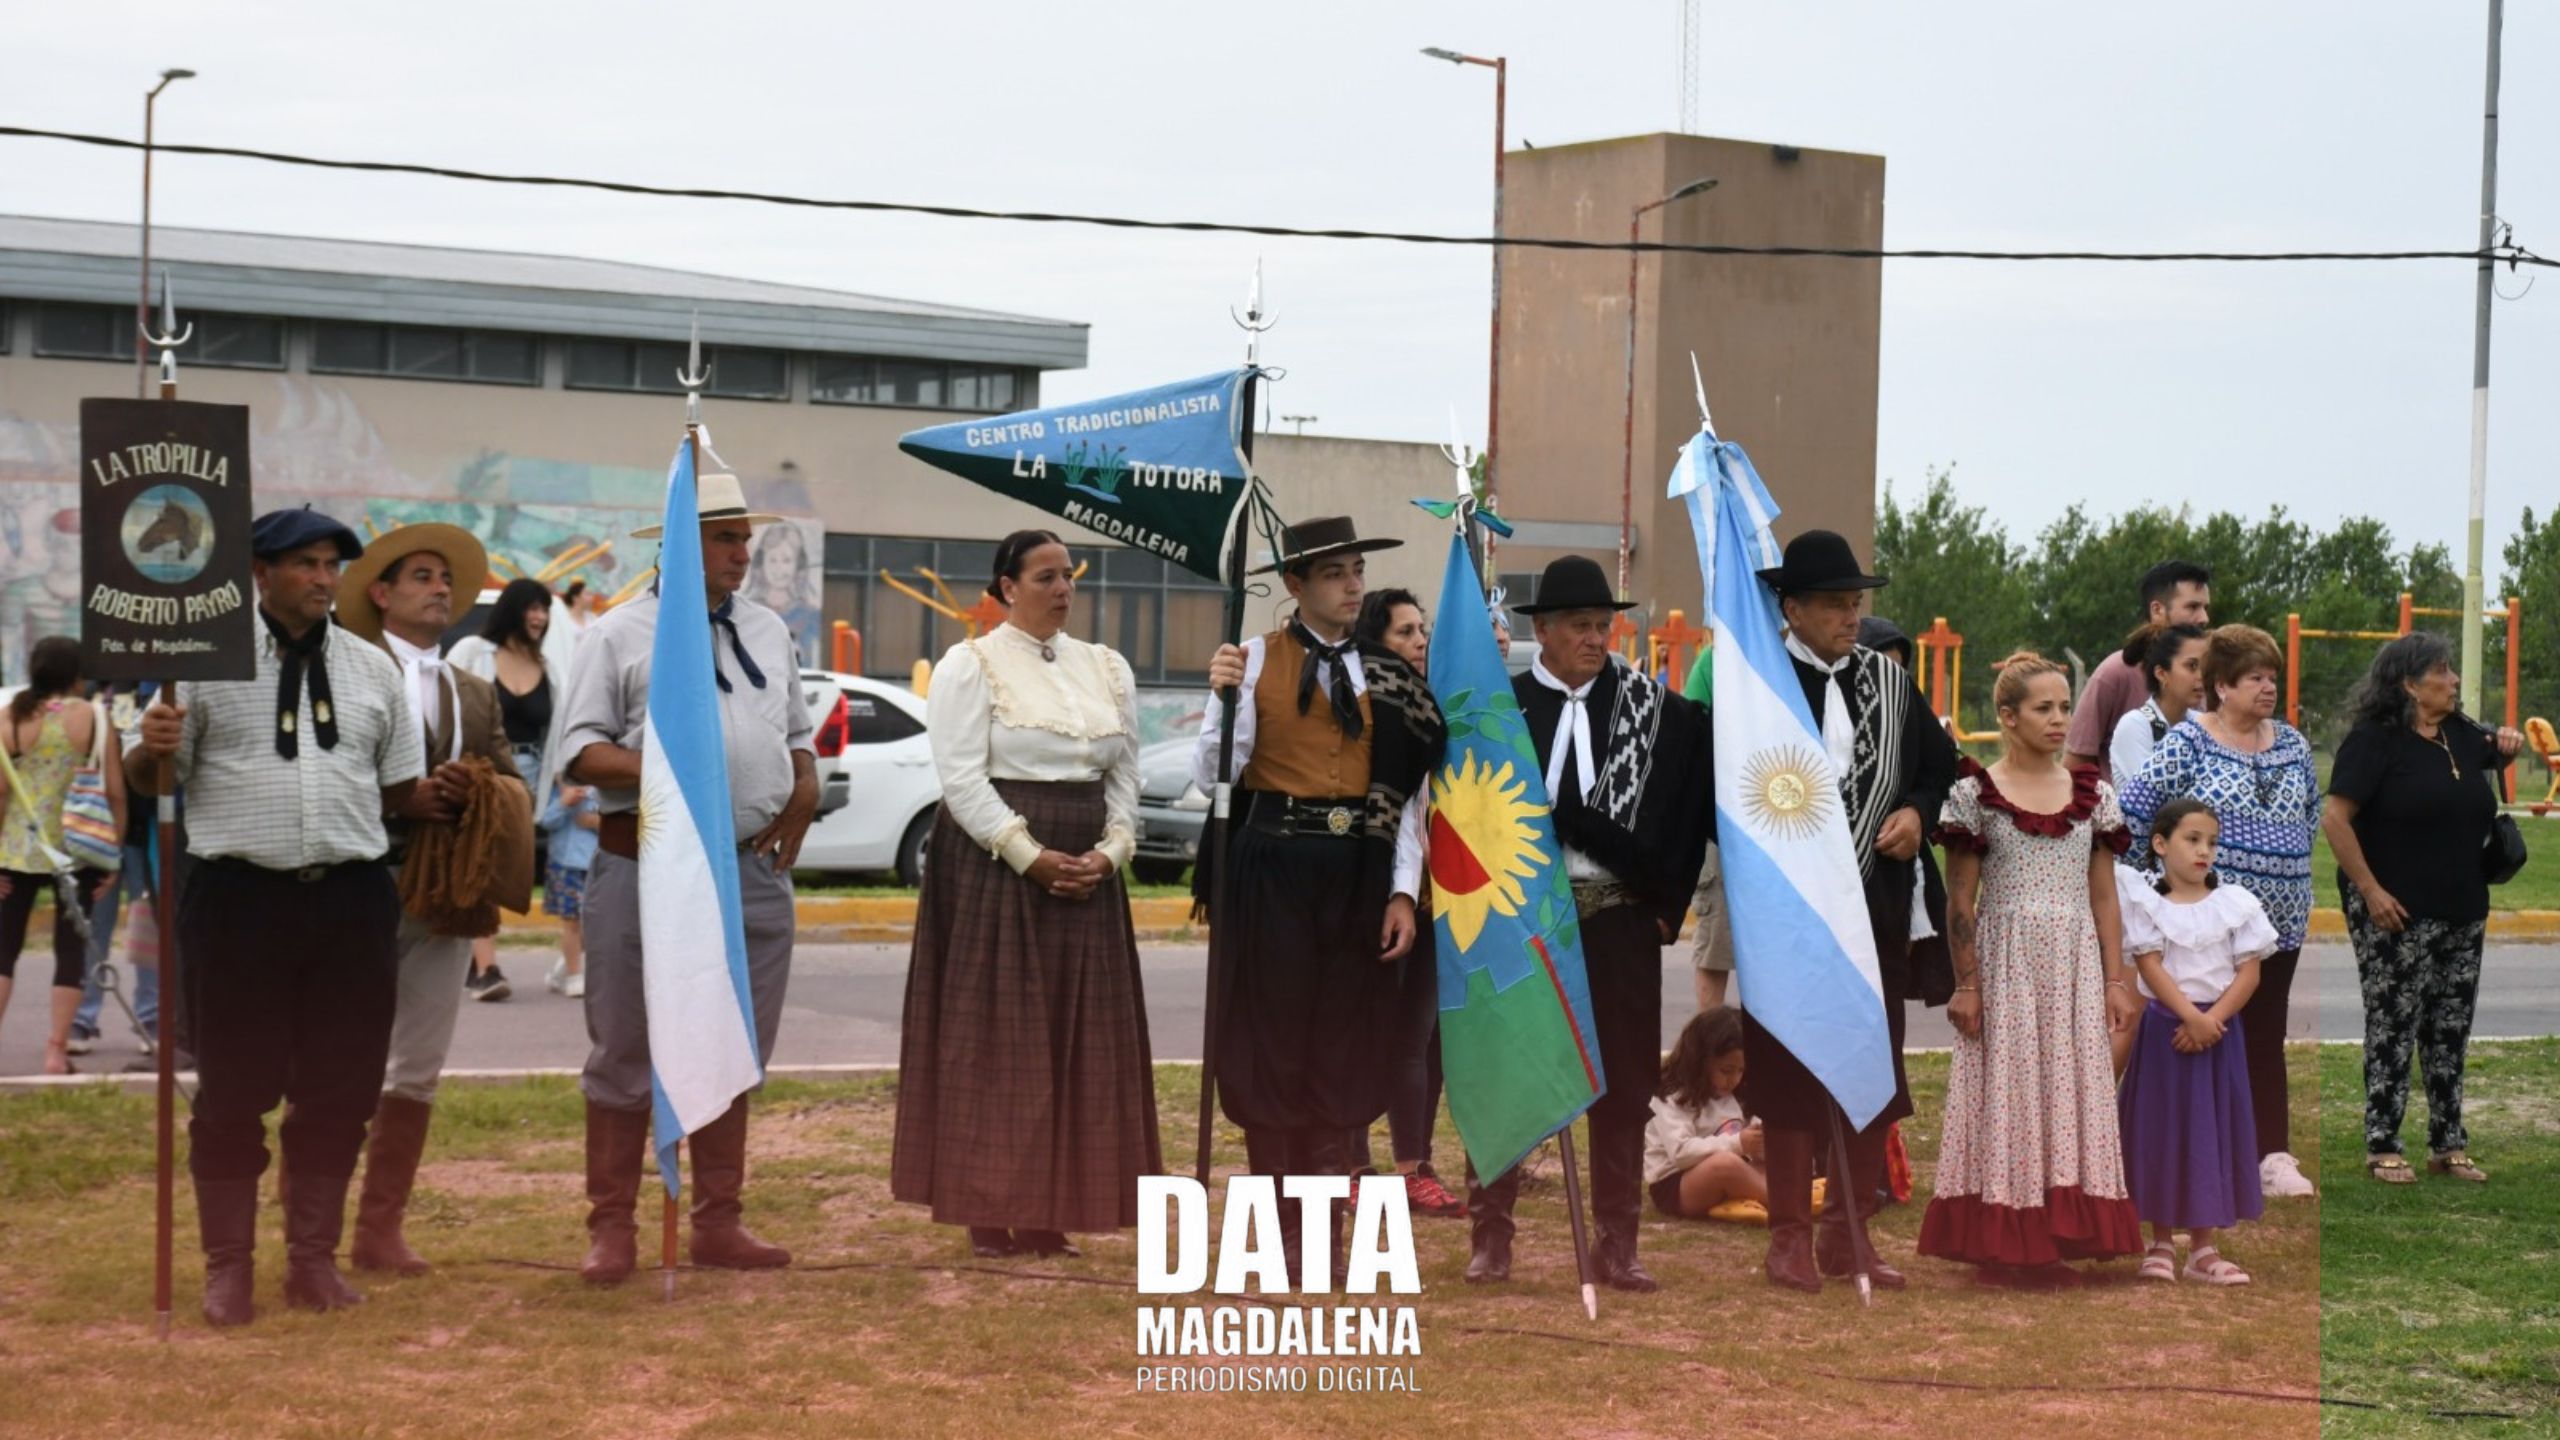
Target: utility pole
<point>2472,585</point>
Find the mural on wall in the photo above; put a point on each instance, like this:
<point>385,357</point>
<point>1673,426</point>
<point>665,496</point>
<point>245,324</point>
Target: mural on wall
<point>313,444</point>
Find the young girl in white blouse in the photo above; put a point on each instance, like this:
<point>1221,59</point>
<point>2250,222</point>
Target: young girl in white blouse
<point>1700,1151</point>
<point>2190,1147</point>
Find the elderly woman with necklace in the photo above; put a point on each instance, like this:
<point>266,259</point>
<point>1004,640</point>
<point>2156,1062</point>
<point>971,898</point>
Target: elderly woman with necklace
<point>2255,772</point>
<point>1026,1095</point>
<point>2411,800</point>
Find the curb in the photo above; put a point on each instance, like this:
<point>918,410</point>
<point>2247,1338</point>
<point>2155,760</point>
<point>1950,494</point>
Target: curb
<point>846,918</point>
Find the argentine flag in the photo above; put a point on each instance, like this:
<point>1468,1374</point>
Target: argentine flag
<point>1804,955</point>
<point>693,938</point>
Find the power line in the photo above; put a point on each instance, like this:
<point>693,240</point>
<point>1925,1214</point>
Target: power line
<point>2509,253</point>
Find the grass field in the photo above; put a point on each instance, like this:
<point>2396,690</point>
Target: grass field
<point>885,1326</point>
<point>2443,1296</point>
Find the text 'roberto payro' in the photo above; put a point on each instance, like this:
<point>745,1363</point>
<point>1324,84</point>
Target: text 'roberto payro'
<point>1176,1258</point>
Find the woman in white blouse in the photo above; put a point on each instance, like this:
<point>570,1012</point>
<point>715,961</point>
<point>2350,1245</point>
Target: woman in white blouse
<point>1026,1099</point>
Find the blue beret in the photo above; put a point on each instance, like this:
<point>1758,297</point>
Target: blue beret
<point>280,532</point>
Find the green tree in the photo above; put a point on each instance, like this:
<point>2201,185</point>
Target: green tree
<point>2533,574</point>
<point>1950,560</point>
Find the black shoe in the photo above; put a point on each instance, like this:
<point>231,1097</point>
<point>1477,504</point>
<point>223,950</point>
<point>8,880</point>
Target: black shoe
<point>1490,1263</point>
<point>489,984</point>
<point>1048,1244</point>
<point>1617,1268</point>
<point>992,1242</point>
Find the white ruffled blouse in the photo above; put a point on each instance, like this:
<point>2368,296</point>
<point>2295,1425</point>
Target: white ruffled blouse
<point>2202,945</point>
<point>998,711</point>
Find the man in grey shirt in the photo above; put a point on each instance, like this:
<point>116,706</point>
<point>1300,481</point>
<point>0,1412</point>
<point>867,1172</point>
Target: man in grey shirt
<point>773,795</point>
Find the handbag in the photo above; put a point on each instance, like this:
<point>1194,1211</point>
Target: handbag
<point>2502,855</point>
<point>89,831</point>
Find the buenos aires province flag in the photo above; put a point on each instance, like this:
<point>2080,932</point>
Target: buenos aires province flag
<point>693,939</point>
<point>1804,955</point>
<point>1516,1038</point>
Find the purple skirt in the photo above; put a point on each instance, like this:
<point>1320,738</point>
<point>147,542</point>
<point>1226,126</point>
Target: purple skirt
<point>2190,1148</point>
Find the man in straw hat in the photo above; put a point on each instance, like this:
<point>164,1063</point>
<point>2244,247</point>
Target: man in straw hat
<point>1628,768</point>
<point>1334,744</point>
<point>289,924</point>
<point>1895,766</point>
<point>773,795</point>
<point>399,595</point>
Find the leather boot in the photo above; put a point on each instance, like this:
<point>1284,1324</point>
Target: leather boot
<point>1788,1155</point>
<point>617,1145</point>
<point>315,1216</point>
<point>1489,1226</point>
<point>390,1170</point>
<point>227,1220</point>
<point>1834,1250</point>
<point>1617,1209</point>
<point>719,1154</point>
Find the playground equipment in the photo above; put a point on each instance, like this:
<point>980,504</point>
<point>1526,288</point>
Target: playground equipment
<point>2294,634</point>
<point>1668,649</point>
<point>847,647</point>
<point>1941,656</point>
<point>2539,738</point>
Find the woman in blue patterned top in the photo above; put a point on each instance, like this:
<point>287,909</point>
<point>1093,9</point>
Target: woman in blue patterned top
<point>2255,772</point>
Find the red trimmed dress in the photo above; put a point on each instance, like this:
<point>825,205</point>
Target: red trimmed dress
<point>2031,1171</point>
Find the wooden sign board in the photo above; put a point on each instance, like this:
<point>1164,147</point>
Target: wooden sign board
<point>165,592</point>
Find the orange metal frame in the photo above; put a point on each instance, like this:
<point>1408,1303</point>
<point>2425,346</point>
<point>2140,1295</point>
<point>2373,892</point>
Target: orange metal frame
<point>2294,634</point>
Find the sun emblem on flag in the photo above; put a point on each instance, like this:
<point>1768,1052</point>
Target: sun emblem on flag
<point>1482,844</point>
<point>1787,791</point>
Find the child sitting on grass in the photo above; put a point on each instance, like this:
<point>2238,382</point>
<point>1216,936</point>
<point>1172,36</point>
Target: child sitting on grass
<point>2190,1146</point>
<point>1699,1150</point>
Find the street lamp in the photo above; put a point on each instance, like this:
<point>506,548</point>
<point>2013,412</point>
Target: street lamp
<point>1627,469</point>
<point>142,304</point>
<point>1301,421</point>
<point>1493,386</point>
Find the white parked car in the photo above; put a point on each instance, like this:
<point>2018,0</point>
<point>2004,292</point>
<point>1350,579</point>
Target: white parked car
<point>871,742</point>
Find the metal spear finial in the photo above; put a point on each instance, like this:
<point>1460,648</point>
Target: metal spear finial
<point>693,377</point>
<point>170,336</point>
<point>1253,321</point>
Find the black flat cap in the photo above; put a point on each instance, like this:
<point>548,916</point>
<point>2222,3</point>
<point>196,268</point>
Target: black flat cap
<point>280,532</point>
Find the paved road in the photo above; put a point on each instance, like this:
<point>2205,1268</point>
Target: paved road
<point>846,999</point>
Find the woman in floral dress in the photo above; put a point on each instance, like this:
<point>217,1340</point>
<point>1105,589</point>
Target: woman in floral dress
<point>2031,1169</point>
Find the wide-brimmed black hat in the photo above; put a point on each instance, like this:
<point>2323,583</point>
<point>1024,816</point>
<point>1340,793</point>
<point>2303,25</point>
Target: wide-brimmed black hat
<point>1820,560</point>
<point>1575,582</point>
<point>1311,540</point>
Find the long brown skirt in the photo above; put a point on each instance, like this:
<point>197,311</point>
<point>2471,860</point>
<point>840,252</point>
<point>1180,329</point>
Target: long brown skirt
<point>1026,1090</point>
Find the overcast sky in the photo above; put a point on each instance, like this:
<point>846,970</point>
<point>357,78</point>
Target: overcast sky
<point>2331,389</point>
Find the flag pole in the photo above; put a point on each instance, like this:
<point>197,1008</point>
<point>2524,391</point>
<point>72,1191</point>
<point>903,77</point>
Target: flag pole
<point>1844,1192</point>
<point>1221,877</point>
<point>165,915</point>
<point>1581,1241</point>
<point>693,377</point>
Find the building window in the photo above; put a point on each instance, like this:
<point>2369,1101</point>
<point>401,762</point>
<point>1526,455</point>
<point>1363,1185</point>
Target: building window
<point>1164,621</point>
<point>651,367</point>
<point>497,357</point>
<point>919,384</point>
<point>5,327</point>
<point>105,332</point>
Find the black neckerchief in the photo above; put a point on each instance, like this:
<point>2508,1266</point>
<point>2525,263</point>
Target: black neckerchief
<point>293,657</point>
<point>746,662</point>
<point>1346,701</point>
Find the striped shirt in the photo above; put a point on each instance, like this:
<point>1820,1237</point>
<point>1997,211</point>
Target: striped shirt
<point>246,802</point>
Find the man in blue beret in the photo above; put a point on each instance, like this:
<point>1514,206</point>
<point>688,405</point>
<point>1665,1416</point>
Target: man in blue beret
<point>288,923</point>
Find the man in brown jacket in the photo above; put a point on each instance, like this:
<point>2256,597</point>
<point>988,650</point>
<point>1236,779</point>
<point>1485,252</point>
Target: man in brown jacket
<point>401,595</point>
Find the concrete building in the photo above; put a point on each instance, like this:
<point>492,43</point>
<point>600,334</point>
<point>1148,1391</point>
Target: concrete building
<point>1788,347</point>
<point>528,398</point>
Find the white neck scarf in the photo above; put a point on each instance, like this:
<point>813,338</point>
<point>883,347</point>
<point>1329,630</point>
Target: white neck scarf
<point>1839,727</point>
<point>424,667</point>
<point>1573,730</point>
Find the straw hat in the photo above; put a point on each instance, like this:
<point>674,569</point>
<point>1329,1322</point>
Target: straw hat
<point>718,497</point>
<point>460,548</point>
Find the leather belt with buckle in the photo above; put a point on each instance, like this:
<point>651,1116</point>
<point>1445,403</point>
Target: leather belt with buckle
<point>1313,819</point>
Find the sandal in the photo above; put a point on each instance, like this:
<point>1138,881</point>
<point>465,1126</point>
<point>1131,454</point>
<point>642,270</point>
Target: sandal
<point>2457,1163</point>
<point>2160,1262</point>
<point>2207,1267</point>
<point>2390,1169</point>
